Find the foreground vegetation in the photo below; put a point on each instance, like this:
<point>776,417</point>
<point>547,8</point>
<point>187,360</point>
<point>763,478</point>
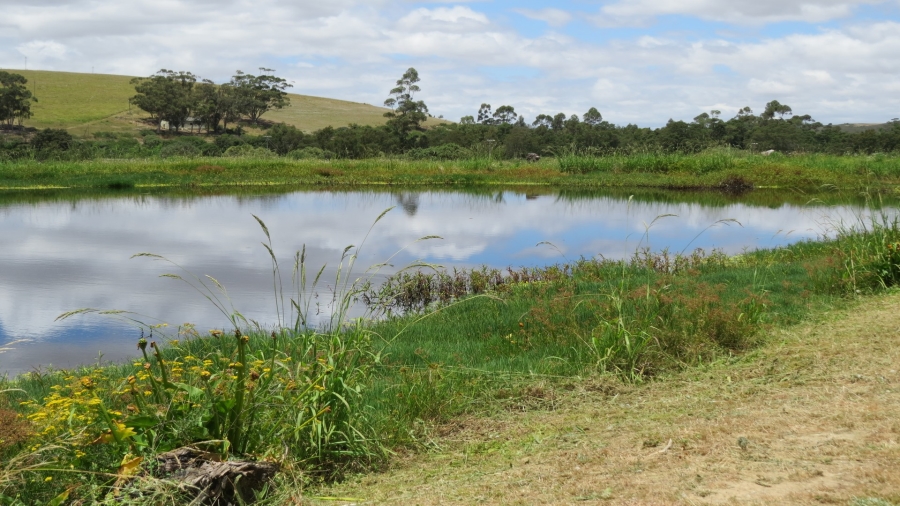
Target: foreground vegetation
<point>726,169</point>
<point>808,418</point>
<point>324,402</point>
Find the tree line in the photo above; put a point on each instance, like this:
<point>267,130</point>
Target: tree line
<point>182,98</point>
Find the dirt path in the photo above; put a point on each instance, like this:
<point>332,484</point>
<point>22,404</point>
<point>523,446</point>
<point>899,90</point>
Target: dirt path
<point>811,418</point>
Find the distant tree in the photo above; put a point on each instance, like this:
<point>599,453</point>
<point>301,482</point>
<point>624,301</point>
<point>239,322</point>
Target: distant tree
<point>592,117</point>
<point>15,99</point>
<point>505,114</point>
<point>774,107</point>
<point>521,122</point>
<point>544,120</point>
<point>744,113</point>
<point>167,95</point>
<point>467,120</point>
<point>406,113</point>
<point>484,115</point>
<point>256,95</point>
<point>559,121</point>
<point>207,105</point>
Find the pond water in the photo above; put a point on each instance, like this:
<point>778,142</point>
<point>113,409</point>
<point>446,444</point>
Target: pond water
<point>64,252</point>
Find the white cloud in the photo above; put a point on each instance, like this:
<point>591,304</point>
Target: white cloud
<point>355,51</point>
<point>44,51</point>
<point>637,12</point>
<point>554,17</point>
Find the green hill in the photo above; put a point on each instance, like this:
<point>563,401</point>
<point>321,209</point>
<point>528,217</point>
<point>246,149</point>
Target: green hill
<point>855,128</point>
<point>88,103</point>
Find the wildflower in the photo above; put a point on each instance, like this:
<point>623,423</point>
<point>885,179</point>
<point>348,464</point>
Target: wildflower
<point>173,342</point>
<point>49,478</point>
<point>216,333</point>
<point>254,375</point>
<point>87,382</point>
<point>142,344</point>
<point>205,375</point>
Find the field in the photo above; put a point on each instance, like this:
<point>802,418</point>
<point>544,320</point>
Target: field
<point>85,104</point>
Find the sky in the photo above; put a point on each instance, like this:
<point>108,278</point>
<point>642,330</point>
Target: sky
<point>636,61</point>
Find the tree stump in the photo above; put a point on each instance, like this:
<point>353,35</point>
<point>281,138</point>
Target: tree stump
<point>213,481</point>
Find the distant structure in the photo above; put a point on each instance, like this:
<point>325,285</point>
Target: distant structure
<point>767,153</point>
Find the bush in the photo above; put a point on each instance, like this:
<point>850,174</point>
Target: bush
<point>52,139</point>
<point>226,141</point>
<point>450,151</point>
<point>248,151</point>
<point>152,141</point>
<point>179,149</point>
<point>310,153</point>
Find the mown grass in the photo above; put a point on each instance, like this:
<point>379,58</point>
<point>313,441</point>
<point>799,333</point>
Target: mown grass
<point>324,401</point>
<point>729,171</point>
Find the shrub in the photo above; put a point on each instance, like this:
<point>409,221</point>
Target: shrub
<point>310,153</point>
<point>179,149</point>
<point>52,139</point>
<point>449,151</point>
<point>248,151</point>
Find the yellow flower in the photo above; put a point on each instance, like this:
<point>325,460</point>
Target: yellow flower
<point>49,478</point>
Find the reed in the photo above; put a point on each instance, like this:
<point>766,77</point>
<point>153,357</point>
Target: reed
<point>577,169</point>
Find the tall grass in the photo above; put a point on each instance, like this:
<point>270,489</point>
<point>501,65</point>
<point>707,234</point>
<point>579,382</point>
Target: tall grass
<point>707,169</point>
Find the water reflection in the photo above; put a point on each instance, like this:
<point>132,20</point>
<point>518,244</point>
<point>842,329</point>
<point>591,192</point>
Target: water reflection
<point>60,254</point>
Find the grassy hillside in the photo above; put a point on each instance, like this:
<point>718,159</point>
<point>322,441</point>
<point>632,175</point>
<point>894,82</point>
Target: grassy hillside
<point>855,128</point>
<point>88,103</point>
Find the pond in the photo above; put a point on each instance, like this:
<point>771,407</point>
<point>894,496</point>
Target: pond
<point>61,252</point>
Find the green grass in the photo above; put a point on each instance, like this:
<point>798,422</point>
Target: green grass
<point>327,401</point>
<point>731,171</point>
<point>86,104</point>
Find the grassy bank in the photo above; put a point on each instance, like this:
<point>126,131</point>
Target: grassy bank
<point>322,403</point>
<point>85,104</point>
<point>728,170</point>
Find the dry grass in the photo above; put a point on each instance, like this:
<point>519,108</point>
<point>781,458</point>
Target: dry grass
<point>89,103</point>
<point>813,417</point>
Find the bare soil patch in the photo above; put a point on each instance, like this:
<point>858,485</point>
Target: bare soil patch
<point>812,417</point>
